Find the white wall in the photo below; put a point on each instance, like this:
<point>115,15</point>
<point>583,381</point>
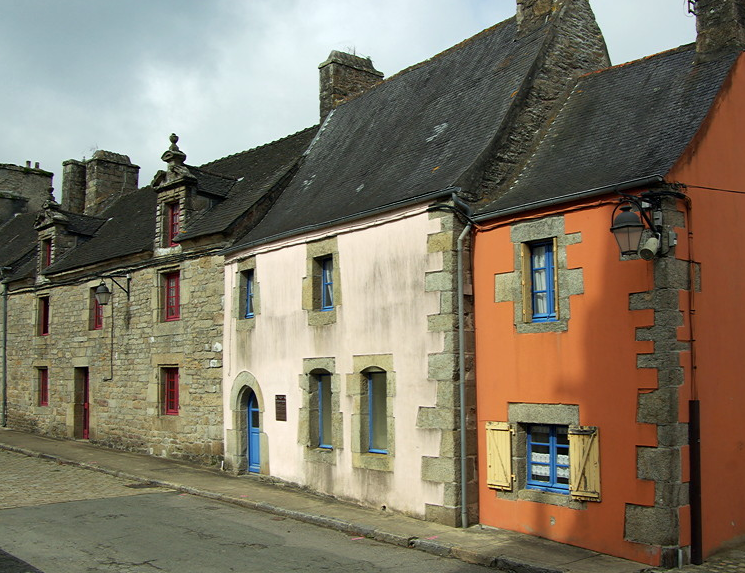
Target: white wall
<point>384,310</point>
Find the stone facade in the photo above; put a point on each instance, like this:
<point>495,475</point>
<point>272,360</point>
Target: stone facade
<point>123,360</point>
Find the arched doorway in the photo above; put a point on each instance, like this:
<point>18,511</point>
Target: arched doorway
<point>253,436</point>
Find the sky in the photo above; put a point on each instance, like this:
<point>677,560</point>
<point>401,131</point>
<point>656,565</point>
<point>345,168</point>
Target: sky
<point>229,75</point>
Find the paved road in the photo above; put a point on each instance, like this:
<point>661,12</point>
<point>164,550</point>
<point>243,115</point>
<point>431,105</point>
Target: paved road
<point>63,519</point>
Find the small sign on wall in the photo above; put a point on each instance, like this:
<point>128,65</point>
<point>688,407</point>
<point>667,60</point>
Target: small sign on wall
<point>280,407</point>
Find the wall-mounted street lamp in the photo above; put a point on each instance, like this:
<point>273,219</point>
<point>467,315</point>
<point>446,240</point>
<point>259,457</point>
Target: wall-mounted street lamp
<point>638,214</point>
<point>103,294</point>
<point>103,297</point>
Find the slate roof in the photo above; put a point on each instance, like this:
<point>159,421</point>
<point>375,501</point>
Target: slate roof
<point>129,229</point>
<point>621,124</point>
<point>247,176</point>
<point>414,134</point>
<point>17,244</point>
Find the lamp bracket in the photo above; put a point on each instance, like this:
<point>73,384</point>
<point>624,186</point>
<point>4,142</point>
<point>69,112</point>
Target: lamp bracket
<point>113,280</point>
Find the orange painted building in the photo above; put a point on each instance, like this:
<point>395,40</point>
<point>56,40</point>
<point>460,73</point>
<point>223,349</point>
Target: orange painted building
<point>588,361</point>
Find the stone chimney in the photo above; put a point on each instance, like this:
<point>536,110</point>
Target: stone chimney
<point>23,189</point>
<point>532,14</point>
<point>90,186</point>
<point>343,75</point>
<point>720,27</point>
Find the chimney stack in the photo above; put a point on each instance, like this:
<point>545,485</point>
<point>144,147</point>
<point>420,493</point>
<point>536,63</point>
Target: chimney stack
<point>532,14</point>
<point>344,75</point>
<point>720,27</point>
<point>91,186</point>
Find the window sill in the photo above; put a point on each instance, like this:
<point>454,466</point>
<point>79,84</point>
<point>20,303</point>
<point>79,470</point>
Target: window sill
<point>560,325</point>
<point>550,498</point>
<point>321,317</point>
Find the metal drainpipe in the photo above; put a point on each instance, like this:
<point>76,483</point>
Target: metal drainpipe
<point>462,385</point>
<point>4,421</point>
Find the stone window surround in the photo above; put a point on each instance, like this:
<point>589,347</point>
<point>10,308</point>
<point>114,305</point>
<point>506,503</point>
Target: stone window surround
<point>239,295</point>
<point>166,198</point>
<point>159,301</point>
<point>357,389</point>
<point>308,415</point>
<point>43,314</point>
<point>520,415</point>
<point>508,287</point>
<point>315,251</point>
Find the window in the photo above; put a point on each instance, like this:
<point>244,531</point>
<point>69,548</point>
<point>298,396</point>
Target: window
<point>248,277</point>
<point>543,281</point>
<point>43,316</point>
<point>324,410</point>
<point>43,379</point>
<point>46,253</point>
<point>327,283</point>
<point>170,391</point>
<point>548,458</point>
<point>96,312</point>
<point>173,223</point>
<point>171,296</point>
<point>377,413</point>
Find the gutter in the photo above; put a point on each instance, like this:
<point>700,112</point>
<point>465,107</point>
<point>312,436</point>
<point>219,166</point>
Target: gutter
<point>615,188</point>
<point>439,194</point>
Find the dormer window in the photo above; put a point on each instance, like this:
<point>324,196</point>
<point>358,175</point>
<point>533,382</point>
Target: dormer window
<point>173,223</point>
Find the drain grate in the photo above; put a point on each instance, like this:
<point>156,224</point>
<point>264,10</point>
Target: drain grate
<point>141,485</point>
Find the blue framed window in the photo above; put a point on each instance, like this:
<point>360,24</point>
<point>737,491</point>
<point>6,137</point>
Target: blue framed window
<point>377,414</point>
<point>327,283</point>
<point>548,458</point>
<point>324,411</point>
<point>249,302</point>
<point>542,275</point>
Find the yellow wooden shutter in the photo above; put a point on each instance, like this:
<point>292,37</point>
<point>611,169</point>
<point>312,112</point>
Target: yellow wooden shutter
<point>584,463</point>
<point>498,455</point>
<point>526,282</point>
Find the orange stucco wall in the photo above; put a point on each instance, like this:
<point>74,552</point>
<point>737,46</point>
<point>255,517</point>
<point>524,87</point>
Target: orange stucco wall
<point>716,159</point>
<point>592,364</point>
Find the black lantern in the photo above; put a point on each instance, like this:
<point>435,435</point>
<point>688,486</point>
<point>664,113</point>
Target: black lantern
<point>102,294</point>
<point>628,229</point>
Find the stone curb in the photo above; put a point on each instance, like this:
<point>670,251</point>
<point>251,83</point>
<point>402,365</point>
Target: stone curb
<point>426,545</point>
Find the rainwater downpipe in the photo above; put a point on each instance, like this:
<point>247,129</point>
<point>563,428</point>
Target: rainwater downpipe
<point>4,412</point>
<point>462,384</point>
<point>465,210</point>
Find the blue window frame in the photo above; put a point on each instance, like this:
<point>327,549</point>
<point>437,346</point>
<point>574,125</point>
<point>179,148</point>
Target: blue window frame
<point>249,278</point>
<point>548,458</point>
<point>327,283</point>
<point>542,275</point>
<point>377,413</point>
<point>324,411</point>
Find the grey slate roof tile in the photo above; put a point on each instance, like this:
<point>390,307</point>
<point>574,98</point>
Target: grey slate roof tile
<point>250,175</point>
<point>621,124</point>
<point>414,134</point>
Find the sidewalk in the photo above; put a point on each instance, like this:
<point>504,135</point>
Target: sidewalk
<point>505,550</point>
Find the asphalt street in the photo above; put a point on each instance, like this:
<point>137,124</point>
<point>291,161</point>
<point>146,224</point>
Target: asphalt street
<point>63,519</point>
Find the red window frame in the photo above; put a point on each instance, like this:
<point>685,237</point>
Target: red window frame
<point>43,387</point>
<point>172,296</point>
<point>170,391</point>
<point>43,315</point>
<point>46,253</point>
<point>174,223</point>
<point>97,322</point>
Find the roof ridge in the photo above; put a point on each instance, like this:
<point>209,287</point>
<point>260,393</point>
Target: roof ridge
<point>254,148</point>
<point>460,45</point>
<point>638,61</point>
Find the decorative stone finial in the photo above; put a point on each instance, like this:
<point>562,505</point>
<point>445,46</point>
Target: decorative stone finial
<point>176,170</point>
<point>174,156</point>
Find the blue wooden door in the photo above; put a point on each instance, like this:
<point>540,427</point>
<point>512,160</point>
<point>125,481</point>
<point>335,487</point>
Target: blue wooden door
<point>254,448</point>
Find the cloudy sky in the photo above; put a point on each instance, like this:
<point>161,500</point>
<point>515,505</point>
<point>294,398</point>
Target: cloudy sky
<point>228,75</point>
